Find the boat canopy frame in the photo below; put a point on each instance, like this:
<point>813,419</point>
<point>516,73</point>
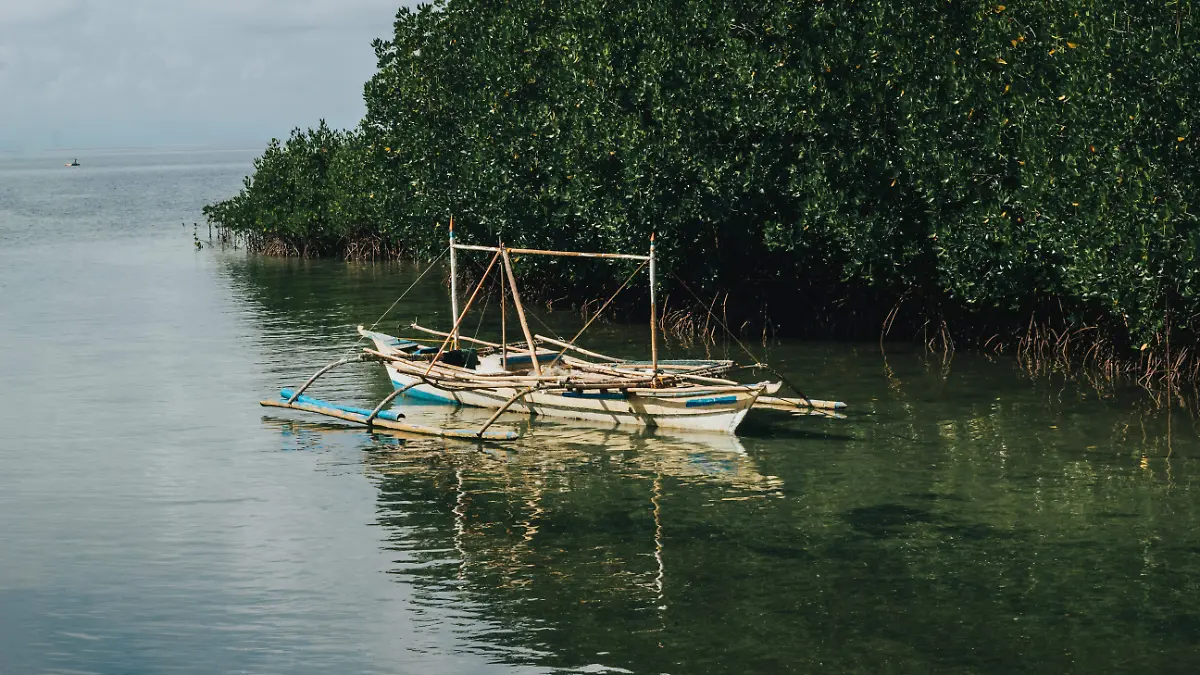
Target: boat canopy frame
<point>504,252</point>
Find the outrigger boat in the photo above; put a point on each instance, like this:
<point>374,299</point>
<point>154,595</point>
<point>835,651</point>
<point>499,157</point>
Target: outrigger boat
<point>547,376</point>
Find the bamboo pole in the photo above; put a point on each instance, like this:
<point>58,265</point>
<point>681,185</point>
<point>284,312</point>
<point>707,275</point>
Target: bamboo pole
<point>781,402</point>
<point>503,326</point>
<point>588,367</point>
<point>440,369</point>
<point>495,381</point>
<point>319,373</point>
<point>677,392</point>
<point>581,350</point>
<point>705,380</point>
<point>453,284</point>
<point>512,281</point>
<point>507,404</point>
<point>474,294</point>
<point>562,254</point>
<point>442,372</point>
<point>390,397</point>
<point>464,338</point>
<point>653,314</point>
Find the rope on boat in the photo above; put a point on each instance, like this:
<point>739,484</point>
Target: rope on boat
<point>463,315</point>
<point>528,314</point>
<point>716,318</point>
<point>410,287</point>
<point>757,364</point>
<point>571,342</point>
<point>397,301</point>
<point>786,381</point>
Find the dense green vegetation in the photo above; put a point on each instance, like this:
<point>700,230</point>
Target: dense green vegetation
<point>975,164</point>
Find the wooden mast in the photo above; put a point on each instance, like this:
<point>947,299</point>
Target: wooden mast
<point>503,325</point>
<point>453,286</point>
<point>653,315</point>
<point>537,367</point>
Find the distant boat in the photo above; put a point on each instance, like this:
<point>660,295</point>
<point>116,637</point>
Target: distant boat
<point>74,162</point>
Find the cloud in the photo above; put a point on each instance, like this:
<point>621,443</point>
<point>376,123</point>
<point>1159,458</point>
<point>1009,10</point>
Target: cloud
<point>143,72</point>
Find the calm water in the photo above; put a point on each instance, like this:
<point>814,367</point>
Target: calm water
<point>154,519</point>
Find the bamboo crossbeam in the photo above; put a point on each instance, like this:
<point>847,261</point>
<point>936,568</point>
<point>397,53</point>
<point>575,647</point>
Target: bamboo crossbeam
<point>451,382</point>
<point>451,379</point>
<point>667,365</point>
<point>446,370</point>
<point>705,380</point>
<point>607,384</point>
<point>581,350</point>
<point>781,402</point>
<point>560,382</point>
<point>462,338</point>
<point>625,368</point>
<point>595,368</point>
<point>697,374</point>
<point>676,392</point>
<point>561,254</point>
<point>421,367</point>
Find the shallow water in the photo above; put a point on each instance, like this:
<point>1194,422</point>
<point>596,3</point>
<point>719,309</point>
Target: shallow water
<point>154,519</point>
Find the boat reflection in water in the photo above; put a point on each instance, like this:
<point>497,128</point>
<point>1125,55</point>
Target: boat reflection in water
<point>556,548</point>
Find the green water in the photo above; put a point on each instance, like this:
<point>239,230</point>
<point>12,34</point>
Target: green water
<point>962,518</point>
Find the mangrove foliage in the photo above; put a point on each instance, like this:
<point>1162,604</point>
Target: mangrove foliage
<point>955,168</point>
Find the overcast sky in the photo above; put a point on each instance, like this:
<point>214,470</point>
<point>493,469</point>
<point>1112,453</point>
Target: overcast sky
<point>148,73</point>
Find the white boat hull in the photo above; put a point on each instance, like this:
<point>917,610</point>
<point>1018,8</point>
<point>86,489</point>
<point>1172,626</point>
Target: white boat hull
<point>696,411</point>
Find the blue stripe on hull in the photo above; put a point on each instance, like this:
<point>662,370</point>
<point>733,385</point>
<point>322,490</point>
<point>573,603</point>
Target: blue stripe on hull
<point>715,400</point>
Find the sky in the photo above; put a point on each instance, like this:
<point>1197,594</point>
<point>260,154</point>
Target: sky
<point>179,73</point>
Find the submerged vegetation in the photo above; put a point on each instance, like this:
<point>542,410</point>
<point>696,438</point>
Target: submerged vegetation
<point>1015,178</point>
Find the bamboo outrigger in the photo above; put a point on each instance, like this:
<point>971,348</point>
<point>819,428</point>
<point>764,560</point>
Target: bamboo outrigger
<point>547,376</point>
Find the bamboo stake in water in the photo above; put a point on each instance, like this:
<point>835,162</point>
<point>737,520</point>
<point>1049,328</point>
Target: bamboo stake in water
<point>512,281</point>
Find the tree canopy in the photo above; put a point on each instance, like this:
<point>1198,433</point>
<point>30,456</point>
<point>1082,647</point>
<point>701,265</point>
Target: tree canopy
<point>821,160</point>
